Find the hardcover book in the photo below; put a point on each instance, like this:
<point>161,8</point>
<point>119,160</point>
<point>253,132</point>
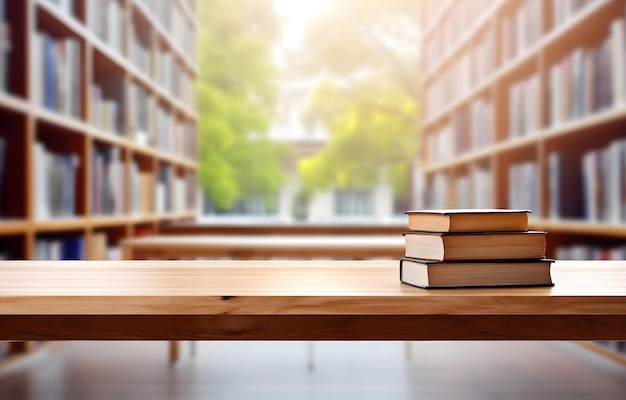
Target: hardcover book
<point>475,246</point>
<point>432,274</point>
<point>468,220</point>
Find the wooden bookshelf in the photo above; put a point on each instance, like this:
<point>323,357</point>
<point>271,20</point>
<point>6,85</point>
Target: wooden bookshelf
<point>86,120</point>
<point>552,75</point>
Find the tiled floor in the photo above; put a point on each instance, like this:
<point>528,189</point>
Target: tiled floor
<point>342,370</point>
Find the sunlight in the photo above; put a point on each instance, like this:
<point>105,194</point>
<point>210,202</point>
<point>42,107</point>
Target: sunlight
<point>297,13</point>
<point>301,9</point>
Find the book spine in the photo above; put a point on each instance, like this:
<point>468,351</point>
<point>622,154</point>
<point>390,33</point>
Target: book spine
<point>5,48</point>
<point>50,73</point>
<point>3,152</point>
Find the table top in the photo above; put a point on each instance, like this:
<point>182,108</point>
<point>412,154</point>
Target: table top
<point>290,288</point>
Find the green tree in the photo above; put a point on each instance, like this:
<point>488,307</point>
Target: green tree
<point>373,135</point>
<point>368,52</point>
<point>236,98</point>
<point>359,39</point>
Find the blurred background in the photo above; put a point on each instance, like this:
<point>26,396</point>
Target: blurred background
<point>119,117</point>
<point>325,122</point>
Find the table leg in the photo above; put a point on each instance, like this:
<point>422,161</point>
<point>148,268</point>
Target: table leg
<point>407,350</point>
<point>310,355</point>
<point>174,351</point>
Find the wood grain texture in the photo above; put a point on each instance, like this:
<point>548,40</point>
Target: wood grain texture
<point>264,246</point>
<point>289,288</point>
<point>312,327</point>
<point>306,299</point>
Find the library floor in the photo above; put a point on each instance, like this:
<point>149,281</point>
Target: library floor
<point>342,370</point>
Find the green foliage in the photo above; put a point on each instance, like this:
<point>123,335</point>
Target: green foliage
<point>368,50</point>
<point>236,97</point>
<point>358,38</point>
<point>373,128</point>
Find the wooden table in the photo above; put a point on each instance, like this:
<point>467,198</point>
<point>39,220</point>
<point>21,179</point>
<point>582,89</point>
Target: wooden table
<point>292,243</point>
<point>264,246</point>
<point>282,229</point>
<point>297,300</point>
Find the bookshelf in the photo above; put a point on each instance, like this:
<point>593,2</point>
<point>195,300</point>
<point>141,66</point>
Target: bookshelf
<point>82,140</point>
<point>524,106</point>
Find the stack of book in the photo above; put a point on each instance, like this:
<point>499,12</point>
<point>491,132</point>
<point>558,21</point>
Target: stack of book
<point>473,248</point>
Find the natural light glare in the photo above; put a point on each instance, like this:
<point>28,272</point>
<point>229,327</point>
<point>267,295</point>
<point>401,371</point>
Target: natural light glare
<point>297,13</point>
<point>301,9</point>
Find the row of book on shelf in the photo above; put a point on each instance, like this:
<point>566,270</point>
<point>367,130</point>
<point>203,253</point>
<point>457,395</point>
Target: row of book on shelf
<point>173,21</point>
<point>57,83</point>
<point>456,81</point>
<point>587,185</point>
<point>464,132</point>
<point>586,251</point>
<point>105,18</point>
<point>103,245</point>
<point>475,189</point>
<point>476,63</point>
<point>170,74</point>
<point>107,181</point>
<point>141,48</point>
<point>172,192</point>
<point>588,80</point>
<point>517,32</point>
<point>457,21</point>
<point>73,247</point>
<point>523,188</point>
<point>107,107</point>
<point>60,248</point>
<point>57,76</point>
<point>151,125</point>
<point>473,248</point>
<point>107,22</point>
<point>56,184</point>
<point>56,63</point>
<point>140,107</point>
<point>524,114</point>
<point>170,135</point>
<point>519,28</point>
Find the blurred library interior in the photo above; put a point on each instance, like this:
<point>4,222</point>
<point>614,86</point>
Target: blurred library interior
<point>522,105</point>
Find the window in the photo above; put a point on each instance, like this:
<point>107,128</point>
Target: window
<point>251,206</point>
<point>354,202</point>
